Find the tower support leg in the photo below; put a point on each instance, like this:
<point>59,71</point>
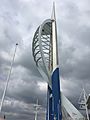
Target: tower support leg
<point>56,100</point>
<point>49,104</point>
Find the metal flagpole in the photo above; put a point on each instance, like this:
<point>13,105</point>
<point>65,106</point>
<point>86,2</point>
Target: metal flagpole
<point>8,78</point>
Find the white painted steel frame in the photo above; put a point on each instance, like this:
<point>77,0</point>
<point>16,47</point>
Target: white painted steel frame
<point>41,48</point>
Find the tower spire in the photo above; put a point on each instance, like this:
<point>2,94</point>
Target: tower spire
<point>54,40</point>
<point>53,16</point>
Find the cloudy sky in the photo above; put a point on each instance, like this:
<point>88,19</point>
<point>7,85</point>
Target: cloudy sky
<point>18,21</point>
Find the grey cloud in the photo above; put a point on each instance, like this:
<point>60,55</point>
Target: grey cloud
<point>83,34</point>
<point>26,60</point>
<point>19,109</point>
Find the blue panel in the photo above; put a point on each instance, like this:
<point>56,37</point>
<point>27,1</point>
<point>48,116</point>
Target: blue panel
<point>56,101</point>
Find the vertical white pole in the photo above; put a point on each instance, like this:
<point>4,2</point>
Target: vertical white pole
<point>8,78</point>
<point>36,115</point>
<point>36,110</point>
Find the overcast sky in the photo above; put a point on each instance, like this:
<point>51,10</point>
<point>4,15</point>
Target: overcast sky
<point>19,20</point>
